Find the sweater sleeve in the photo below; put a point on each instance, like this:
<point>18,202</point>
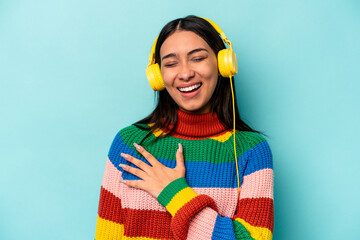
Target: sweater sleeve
<point>196,216</point>
<point>111,214</point>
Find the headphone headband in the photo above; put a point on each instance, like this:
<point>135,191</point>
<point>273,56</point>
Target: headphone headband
<point>218,29</point>
<point>152,54</point>
<point>215,26</point>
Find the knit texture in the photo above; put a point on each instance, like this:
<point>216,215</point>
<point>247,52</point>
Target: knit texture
<point>204,204</point>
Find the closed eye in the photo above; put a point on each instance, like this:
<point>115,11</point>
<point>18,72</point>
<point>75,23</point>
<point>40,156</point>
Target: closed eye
<point>198,59</point>
<point>170,64</point>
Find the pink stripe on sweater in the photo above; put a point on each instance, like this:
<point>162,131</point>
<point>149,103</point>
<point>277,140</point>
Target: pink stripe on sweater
<point>258,185</point>
<point>202,224</point>
<point>130,197</point>
<point>225,199</point>
<point>111,179</point>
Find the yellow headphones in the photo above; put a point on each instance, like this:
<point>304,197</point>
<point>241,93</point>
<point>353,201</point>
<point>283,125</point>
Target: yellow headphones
<point>227,65</point>
<point>227,62</point>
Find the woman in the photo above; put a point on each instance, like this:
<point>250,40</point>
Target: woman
<point>175,174</point>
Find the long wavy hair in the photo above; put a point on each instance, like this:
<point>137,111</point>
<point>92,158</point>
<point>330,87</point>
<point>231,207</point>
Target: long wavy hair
<point>164,115</point>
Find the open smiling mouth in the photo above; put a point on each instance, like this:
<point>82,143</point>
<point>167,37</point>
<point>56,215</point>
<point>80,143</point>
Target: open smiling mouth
<point>190,89</point>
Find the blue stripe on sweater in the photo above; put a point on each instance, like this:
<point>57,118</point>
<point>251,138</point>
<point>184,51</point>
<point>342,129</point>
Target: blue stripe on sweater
<point>223,229</point>
<point>202,174</point>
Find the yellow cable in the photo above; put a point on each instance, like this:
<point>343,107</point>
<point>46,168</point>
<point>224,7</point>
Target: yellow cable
<point>237,167</point>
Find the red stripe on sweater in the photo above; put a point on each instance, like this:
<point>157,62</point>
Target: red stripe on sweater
<point>264,209</point>
<point>144,223</point>
<point>182,218</point>
<point>148,223</point>
<point>110,207</point>
<point>197,126</point>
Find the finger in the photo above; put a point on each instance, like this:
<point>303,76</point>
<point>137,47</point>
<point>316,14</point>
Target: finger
<point>180,158</point>
<point>151,159</point>
<point>143,166</point>
<point>134,183</point>
<point>135,171</point>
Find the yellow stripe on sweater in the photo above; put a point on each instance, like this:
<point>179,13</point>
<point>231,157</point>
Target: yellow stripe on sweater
<point>106,229</point>
<point>157,132</point>
<point>180,199</point>
<point>222,138</point>
<point>257,233</point>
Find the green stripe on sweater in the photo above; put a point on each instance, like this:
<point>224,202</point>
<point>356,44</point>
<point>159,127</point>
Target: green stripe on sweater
<point>194,150</point>
<point>241,232</point>
<point>171,190</point>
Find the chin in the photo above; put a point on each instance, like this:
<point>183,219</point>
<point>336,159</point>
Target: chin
<point>194,109</point>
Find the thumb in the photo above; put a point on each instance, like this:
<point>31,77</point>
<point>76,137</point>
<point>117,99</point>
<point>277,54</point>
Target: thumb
<point>180,158</point>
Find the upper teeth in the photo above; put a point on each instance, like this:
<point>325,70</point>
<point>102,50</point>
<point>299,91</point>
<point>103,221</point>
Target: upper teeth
<point>187,89</point>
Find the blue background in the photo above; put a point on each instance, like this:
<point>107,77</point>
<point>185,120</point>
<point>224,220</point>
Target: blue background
<point>72,74</point>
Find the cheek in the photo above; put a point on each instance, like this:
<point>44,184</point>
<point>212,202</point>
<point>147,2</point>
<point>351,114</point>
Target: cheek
<point>167,77</point>
<point>213,86</point>
<point>210,69</point>
<point>169,82</point>
<point>212,76</point>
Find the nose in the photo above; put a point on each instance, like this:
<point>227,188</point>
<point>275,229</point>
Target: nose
<point>185,72</point>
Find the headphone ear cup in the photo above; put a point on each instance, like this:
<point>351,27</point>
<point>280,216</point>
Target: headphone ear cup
<point>154,77</point>
<point>227,63</point>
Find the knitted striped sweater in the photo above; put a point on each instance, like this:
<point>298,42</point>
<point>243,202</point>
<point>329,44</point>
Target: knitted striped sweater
<point>204,204</point>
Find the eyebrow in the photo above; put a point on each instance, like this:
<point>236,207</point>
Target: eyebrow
<point>189,53</point>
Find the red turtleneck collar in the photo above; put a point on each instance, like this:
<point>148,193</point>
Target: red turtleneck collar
<point>198,126</point>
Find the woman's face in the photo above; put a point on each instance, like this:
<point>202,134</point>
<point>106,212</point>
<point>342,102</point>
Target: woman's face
<point>189,69</point>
